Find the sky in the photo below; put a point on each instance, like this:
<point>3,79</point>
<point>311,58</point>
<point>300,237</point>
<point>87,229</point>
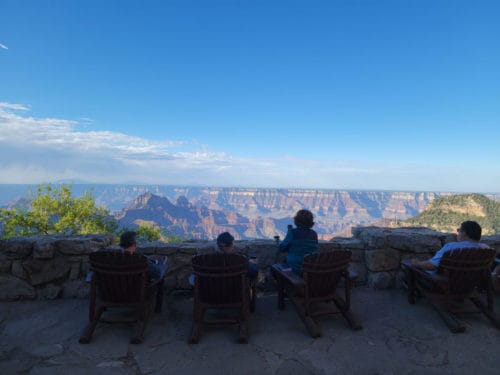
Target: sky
<point>352,94</point>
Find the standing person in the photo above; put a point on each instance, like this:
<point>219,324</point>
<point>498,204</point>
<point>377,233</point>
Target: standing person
<point>300,241</point>
<point>468,236</point>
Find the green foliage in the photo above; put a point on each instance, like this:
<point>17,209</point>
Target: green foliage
<point>54,210</point>
<point>445,214</point>
<point>151,232</point>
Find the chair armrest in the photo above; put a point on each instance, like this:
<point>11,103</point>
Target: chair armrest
<point>433,277</point>
<point>288,276</point>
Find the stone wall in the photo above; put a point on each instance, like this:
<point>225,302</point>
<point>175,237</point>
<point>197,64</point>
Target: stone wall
<point>47,267</point>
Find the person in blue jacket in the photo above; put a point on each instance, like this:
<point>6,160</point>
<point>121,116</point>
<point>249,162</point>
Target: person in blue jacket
<point>300,241</point>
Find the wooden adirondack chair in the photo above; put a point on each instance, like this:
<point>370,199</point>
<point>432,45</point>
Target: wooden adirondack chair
<point>120,280</point>
<point>315,293</point>
<point>220,283</point>
<point>462,274</point>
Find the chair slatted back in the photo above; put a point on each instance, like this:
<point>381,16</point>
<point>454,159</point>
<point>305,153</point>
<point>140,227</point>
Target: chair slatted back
<point>466,269</point>
<point>322,271</point>
<point>120,277</point>
<point>221,278</point>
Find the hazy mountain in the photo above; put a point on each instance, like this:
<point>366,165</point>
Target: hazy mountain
<point>247,212</point>
<point>186,220</point>
<point>446,213</point>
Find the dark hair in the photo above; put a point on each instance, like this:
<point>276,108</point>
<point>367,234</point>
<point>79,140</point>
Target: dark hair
<point>225,239</point>
<point>304,218</point>
<point>127,239</point>
<point>471,229</point>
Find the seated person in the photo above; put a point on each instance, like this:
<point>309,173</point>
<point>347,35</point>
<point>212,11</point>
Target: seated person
<point>157,266</point>
<point>468,236</point>
<point>300,241</point>
<point>225,244</point>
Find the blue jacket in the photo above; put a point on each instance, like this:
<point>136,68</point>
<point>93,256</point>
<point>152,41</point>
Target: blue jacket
<point>299,242</point>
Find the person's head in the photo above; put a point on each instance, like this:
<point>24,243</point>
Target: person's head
<point>225,242</point>
<point>128,241</point>
<point>304,218</point>
<point>469,230</point>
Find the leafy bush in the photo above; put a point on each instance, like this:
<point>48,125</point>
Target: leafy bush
<point>53,210</point>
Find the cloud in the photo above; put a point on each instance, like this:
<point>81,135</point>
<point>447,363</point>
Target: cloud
<point>3,46</point>
<point>38,150</point>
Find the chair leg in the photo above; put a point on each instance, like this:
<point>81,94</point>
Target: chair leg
<point>453,324</point>
<point>198,313</point>
<point>281,294</point>
<point>90,327</point>
<point>347,314</point>
<point>243,332</point>
<point>311,325</point>
<point>138,336</point>
<point>411,286</point>
<point>486,311</point>
<point>159,296</point>
<point>253,297</point>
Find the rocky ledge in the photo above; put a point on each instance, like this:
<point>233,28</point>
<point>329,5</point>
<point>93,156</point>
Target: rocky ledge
<point>49,267</point>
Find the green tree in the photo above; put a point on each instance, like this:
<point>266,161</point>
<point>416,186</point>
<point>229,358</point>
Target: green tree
<point>147,231</point>
<point>54,210</point>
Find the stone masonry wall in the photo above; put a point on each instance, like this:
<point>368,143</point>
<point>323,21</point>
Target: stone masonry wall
<point>47,267</point>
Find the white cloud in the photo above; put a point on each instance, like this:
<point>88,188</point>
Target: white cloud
<point>3,46</point>
<point>36,150</point>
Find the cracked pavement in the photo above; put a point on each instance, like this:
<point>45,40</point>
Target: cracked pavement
<point>41,337</point>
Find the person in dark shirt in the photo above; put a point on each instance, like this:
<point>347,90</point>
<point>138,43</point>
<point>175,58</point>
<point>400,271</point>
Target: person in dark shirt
<point>300,241</point>
<point>157,266</point>
<point>225,244</point>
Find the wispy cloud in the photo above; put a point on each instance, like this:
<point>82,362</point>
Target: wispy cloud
<point>3,46</point>
<point>35,150</point>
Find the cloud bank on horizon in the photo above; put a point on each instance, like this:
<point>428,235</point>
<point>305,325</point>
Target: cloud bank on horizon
<point>39,150</point>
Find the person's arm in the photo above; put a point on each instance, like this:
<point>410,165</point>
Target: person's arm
<point>423,264</point>
<point>432,263</point>
<point>285,244</point>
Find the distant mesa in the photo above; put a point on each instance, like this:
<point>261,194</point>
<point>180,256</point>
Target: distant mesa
<point>446,213</point>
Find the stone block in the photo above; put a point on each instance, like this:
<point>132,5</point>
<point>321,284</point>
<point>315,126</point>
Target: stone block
<point>13,288</point>
<point>75,289</point>
<point>382,259</point>
<point>44,271</point>
<point>72,246</point>
<point>381,280</point>
<point>17,247</point>
<point>49,291</point>
<point>349,243</point>
<point>360,270</point>
<point>414,242</point>
<point>99,242</point>
<point>18,270</point>
<point>373,237</point>
<point>5,264</point>
<point>74,272</point>
<point>357,255</point>
<point>44,248</point>
<point>329,246</point>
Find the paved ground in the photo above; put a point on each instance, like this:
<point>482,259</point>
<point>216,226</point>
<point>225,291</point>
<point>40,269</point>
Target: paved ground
<point>42,338</point>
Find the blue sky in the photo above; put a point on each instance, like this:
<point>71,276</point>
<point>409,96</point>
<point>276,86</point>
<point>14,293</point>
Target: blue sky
<point>398,95</point>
